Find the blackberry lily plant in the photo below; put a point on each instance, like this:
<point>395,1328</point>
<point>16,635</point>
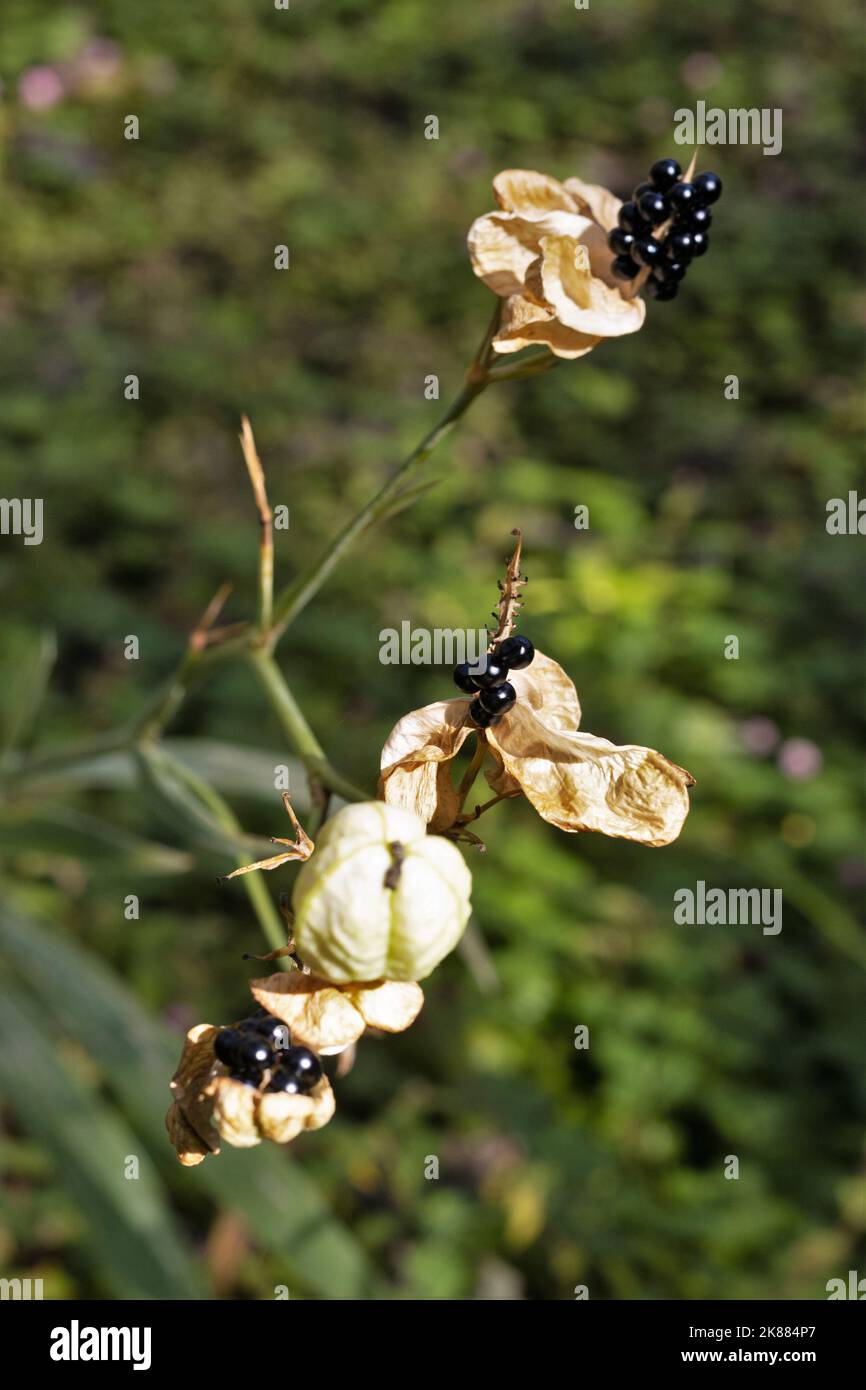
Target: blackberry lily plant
<point>384,892</point>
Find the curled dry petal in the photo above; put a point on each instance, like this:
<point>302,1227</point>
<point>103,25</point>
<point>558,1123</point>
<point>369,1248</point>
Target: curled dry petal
<point>190,1113</point>
<point>527,324</point>
<point>234,1111</point>
<point>596,202</point>
<point>190,1148</point>
<point>318,1014</point>
<point>545,685</point>
<point>390,1006</point>
<point>209,1105</point>
<point>328,1018</point>
<point>574,780</point>
<point>529,193</point>
<point>281,1117</point>
<point>415,758</point>
<point>545,253</point>
<point>580,299</point>
<point>578,782</point>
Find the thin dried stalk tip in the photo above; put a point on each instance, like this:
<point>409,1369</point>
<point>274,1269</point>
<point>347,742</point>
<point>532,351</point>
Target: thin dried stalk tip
<point>510,601</point>
<point>299,848</point>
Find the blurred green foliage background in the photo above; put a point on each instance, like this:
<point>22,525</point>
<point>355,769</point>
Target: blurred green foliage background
<point>258,127</point>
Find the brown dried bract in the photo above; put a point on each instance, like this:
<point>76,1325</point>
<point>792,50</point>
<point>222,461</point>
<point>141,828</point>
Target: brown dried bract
<point>545,253</point>
<point>209,1105</point>
<point>574,780</point>
<point>328,1018</point>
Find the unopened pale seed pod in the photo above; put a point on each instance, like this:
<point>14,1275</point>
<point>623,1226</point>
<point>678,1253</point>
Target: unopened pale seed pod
<point>380,898</point>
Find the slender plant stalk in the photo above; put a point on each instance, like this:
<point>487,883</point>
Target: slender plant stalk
<point>269,918</point>
<point>289,713</point>
<point>256,643</point>
<point>266,516</point>
<point>294,599</point>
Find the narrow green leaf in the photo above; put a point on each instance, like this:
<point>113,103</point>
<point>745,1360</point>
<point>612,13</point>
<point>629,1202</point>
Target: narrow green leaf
<point>267,1187</point>
<point>128,1223</point>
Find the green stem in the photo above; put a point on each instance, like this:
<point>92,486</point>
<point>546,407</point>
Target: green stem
<point>288,711</point>
<point>21,770</point>
<point>295,597</point>
<point>270,921</point>
<point>467,781</point>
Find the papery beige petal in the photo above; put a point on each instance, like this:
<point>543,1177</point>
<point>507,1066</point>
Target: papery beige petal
<point>503,245</point>
<point>580,299</point>
<point>317,1014</point>
<point>196,1060</point>
<point>234,1112</point>
<point>526,192</point>
<point>499,256</point>
<point>282,1117</point>
<point>548,690</point>
<point>579,782</point>
<point>391,1006</point>
<point>524,324</point>
<point>599,202</point>
<point>414,762</point>
<point>190,1147</point>
<point>188,1085</point>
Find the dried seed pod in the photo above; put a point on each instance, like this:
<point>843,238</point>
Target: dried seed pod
<point>328,1018</point>
<point>380,899</point>
<point>210,1105</point>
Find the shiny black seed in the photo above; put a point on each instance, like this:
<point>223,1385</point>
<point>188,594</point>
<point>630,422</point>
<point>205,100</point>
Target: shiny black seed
<point>700,243</point>
<point>620,242</point>
<point>664,174</point>
<point>517,652</point>
<point>669,272</point>
<point>625,268</point>
<point>642,188</point>
<point>245,1075</point>
<point>698,220</point>
<point>283,1080</point>
<point>648,251</point>
<point>303,1065</point>
<point>253,1053</point>
<point>478,714</point>
<point>709,187</point>
<point>679,246</point>
<point>682,196</point>
<point>655,207</point>
<point>463,678</point>
<point>630,218</point>
<point>273,1030</point>
<point>226,1044</point>
<point>666,290</point>
<point>498,700</point>
<point>492,672</point>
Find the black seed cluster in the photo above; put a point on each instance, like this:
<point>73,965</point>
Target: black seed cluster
<point>491,686</point>
<point>259,1050</point>
<point>664,198</point>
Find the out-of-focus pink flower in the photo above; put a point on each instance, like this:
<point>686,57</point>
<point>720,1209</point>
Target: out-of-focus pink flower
<point>800,759</point>
<point>852,872</point>
<point>40,88</point>
<point>97,62</point>
<point>701,70</point>
<point>759,736</point>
